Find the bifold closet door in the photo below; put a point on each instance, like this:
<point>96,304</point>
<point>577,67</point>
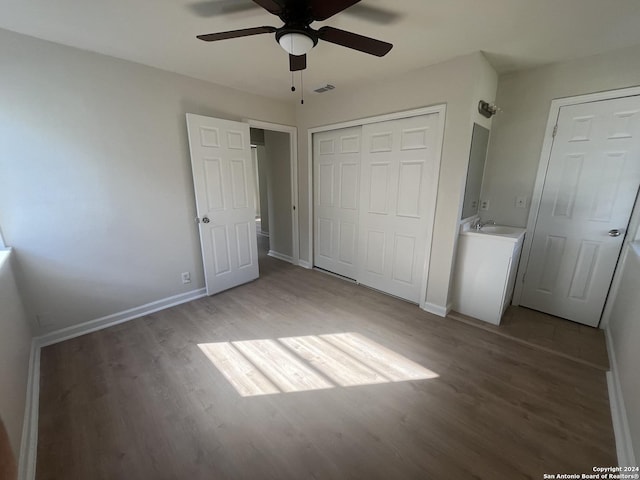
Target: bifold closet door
<point>336,158</point>
<point>397,204</point>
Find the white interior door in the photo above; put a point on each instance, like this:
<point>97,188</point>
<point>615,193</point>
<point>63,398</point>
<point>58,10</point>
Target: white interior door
<point>224,184</point>
<point>399,173</point>
<point>336,155</point>
<point>588,195</point>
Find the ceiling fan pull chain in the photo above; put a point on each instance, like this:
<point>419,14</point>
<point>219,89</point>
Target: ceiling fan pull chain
<point>301,89</point>
<point>293,88</point>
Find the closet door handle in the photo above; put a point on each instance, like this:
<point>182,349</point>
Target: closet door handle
<point>614,232</point>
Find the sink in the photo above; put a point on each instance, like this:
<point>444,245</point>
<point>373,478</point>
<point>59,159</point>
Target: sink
<point>485,271</point>
<point>500,230</point>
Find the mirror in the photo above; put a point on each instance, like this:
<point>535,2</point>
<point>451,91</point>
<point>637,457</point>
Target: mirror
<point>477,157</point>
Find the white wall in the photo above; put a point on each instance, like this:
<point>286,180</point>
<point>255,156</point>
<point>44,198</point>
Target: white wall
<point>278,153</point>
<point>460,83</point>
<point>96,192</point>
<point>624,330</point>
<point>518,131</point>
<point>15,346</point>
<point>512,163</point>
<point>263,186</point>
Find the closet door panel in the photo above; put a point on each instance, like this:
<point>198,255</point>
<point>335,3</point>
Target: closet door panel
<point>336,163</point>
<point>397,198</point>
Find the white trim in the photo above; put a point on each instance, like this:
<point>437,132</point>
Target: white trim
<point>29,442</point>
<point>624,449</point>
<point>293,150</point>
<point>116,318</point>
<point>613,289</point>
<point>379,118</point>
<point>310,193</point>
<point>441,110</point>
<point>545,157</point>
<point>281,256</point>
<point>436,309</point>
<point>304,264</point>
<point>629,244</point>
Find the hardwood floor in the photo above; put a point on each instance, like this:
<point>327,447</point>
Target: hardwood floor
<point>141,400</point>
<point>556,335</point>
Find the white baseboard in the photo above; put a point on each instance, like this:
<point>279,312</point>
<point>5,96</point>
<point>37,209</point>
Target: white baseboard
<point>305,264</point>
<point>624,448</point>
<point>116,318</point>
<point>436,309</point>
<point>280,256</point>
<point>29,442</point>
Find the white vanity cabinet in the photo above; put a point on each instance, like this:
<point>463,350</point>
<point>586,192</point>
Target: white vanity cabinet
<point>485,271</point>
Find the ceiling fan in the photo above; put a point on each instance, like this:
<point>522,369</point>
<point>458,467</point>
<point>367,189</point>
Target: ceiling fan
<point>296,35</point>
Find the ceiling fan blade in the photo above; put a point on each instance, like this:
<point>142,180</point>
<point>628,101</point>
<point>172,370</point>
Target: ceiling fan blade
<point>323,9</point>
<point>272,6</point>
<point>355,41</point>
<point>297,62</point>
<point>245,32</point>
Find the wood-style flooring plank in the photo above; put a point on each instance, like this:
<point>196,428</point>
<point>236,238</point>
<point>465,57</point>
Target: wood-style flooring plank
<point>141,400</point>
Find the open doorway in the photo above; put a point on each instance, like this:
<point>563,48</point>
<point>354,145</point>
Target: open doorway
<point>275,208</point>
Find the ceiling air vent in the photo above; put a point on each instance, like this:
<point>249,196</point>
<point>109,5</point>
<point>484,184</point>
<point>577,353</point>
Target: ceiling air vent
<point>326,88</point>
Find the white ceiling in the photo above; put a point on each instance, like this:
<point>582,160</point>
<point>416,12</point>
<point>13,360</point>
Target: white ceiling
<point>514,34</point>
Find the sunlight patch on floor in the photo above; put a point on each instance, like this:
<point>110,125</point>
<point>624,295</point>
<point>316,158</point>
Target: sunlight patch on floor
<point>311,362</point>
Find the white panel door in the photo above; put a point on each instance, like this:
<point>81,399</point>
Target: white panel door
<point>224,183</point>
<point>336,157</point>
<point>397,203</point>
<point>588,195</point>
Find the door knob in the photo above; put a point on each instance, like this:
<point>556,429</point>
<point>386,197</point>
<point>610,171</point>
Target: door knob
<point>614,232</point>
<point>206,220</point>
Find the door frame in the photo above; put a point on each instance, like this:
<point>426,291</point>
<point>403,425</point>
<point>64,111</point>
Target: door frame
<point>441,110</point>
<point>293,169</point>
<point>543,164</point>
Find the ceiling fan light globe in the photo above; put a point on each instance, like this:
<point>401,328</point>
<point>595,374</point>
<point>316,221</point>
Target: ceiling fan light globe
<point>296,43</point>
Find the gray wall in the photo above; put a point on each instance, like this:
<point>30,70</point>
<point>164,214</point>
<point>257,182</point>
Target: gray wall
<point>15,346</point>
<point>96,193</point>
<point>278,152</point>
<point>518,131</point>
<point>624,329</point>
<point>263,187</point>
<point>459,83</point>
<point>512,163</point>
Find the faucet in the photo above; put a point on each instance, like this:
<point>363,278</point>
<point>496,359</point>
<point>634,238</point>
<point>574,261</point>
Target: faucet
<point>478,224</point>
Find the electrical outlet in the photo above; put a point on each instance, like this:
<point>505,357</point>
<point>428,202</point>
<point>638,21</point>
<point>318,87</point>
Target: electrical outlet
<point>474,204</point>
<point>521,202</point>
<point>186,277</point>
<point>484,205</point>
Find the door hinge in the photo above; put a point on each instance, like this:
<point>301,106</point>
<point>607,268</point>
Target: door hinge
<point>555,131</point>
